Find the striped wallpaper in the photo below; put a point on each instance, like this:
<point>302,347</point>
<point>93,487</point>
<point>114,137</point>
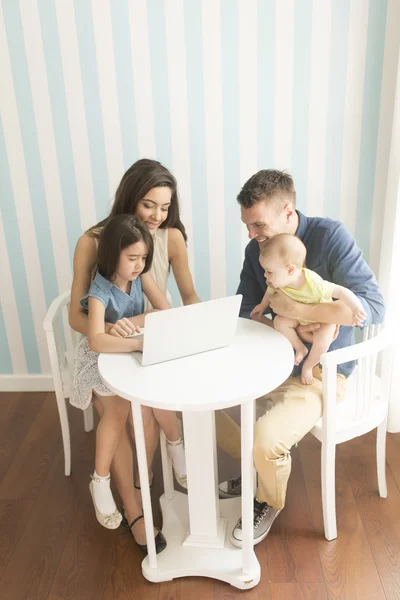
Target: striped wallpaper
<point>214,89</point>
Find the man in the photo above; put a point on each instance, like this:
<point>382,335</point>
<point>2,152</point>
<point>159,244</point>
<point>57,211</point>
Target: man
<point>267,202</point>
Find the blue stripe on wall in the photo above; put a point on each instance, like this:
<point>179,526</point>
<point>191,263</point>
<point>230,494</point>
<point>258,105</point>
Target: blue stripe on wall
<point>337,94</point>
<point>266,82</point>
<point>370,121</point>
<point>19,67</point>
<point>91,92</point>
<point>124,76</point>
<point>301,97</point>
<point>5,358</point>
<point>17,266</point>
<point>159,80</point>
<point>195,94</point>
<point>231,138</point>
<point>55,79</point>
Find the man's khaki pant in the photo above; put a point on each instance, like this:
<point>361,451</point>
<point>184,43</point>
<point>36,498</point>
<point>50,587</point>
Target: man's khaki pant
<point>291,411</point>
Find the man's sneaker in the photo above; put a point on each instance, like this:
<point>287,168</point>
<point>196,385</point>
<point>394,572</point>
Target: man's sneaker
<point>231,488</point>
<point>264,516</point>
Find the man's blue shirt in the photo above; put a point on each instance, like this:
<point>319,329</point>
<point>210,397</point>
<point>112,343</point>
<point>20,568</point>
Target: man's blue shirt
<point>334,255</point>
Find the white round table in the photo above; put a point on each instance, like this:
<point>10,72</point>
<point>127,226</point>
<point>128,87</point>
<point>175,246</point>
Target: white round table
<point>197,526</point>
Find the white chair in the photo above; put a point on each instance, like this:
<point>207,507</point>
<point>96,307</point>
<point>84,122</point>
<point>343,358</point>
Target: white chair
<point>61,341</point>
<point>365,408</point>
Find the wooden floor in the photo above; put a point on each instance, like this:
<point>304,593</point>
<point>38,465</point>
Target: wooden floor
<point>51,546</point>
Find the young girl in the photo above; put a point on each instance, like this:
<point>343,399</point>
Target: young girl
<point>283,258</point>
<point>116,294</point>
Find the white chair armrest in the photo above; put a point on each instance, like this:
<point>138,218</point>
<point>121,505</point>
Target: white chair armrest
<point>54,308</point>
<point>342,355</point>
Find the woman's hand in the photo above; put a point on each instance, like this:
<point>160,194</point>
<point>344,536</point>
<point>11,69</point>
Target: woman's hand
<point>122,328</point>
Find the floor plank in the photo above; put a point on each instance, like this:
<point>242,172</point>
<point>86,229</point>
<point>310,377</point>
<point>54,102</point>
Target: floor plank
<point>20,488</point>
<point>31,568</point>
<point>284,591</point>
<point>17,415</point>
<point>312,591</point>
<point>292,549</point>
<point>125,580</point>
<point>348,564</point>
<point>380,516</point>
<point>8,403</point>
<point>393,455</point>
<point>259,592</point>
<point>85,561</point>
<point>32,460</point>
<point>52,548</point>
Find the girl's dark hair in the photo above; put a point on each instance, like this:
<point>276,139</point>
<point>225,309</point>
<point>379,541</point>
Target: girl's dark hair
<point>120,232</point>
<point>140,178</point>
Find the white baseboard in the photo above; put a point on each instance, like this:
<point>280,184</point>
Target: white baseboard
<point>26,383</point>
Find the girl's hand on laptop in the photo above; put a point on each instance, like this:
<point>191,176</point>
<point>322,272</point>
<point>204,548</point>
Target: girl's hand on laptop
<point>123,328</point>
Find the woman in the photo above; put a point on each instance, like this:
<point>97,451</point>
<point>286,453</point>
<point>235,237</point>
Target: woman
<point>149,191</point>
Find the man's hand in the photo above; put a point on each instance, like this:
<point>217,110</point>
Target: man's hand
<point>284,306</point>
<point>305,332</point>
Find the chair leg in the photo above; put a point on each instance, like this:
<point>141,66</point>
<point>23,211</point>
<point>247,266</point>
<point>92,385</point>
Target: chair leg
<point>88,418</point>
<point>62,411</point>
<point>381,458</point>
<point>328,452</point>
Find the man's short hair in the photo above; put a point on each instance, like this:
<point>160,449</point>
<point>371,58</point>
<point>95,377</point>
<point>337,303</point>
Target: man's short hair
<point>268,184</point>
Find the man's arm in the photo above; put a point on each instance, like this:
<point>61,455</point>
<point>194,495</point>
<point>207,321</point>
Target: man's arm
<point>335,313</point>
<point>249,285</point>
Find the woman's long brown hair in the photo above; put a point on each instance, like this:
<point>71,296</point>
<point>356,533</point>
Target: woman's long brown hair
<point>144,175</point>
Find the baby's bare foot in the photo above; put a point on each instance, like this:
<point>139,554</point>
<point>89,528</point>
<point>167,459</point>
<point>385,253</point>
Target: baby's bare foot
<point>307,376</point>
<point>300,353</point>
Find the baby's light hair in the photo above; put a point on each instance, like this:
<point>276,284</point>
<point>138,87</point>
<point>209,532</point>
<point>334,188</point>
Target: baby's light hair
<point>289,248</point>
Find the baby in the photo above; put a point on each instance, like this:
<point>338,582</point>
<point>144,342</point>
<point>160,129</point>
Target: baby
<point>283,258</point>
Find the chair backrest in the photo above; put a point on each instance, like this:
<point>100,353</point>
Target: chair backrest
<point>367,379</point>
<point>371,377</point>
<point>61,341</point>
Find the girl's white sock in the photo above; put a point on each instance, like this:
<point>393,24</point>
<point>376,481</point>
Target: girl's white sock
<point>176,453</point>
<point>103,495</point>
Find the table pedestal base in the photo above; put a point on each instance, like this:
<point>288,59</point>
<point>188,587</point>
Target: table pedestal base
<point>179,560</point>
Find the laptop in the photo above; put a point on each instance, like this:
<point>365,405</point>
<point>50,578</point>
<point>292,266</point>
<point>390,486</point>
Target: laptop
<point>187,330</point>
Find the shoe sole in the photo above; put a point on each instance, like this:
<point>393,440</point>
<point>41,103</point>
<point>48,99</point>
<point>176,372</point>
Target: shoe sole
<point>99,515</point>
<point>239,543</point>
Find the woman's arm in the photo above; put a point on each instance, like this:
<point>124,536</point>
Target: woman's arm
<point>178,258</point>
<point>99,341</point>
<point>153,292</point>
<point>84,262</point>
